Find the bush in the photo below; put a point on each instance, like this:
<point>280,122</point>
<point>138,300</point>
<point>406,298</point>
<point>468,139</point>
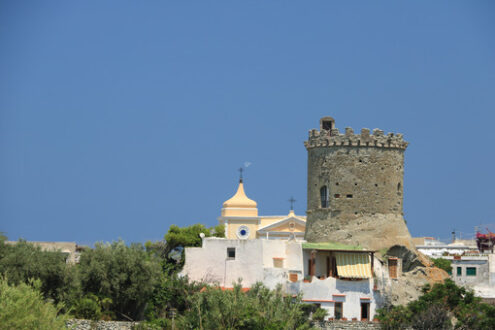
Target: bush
<point>87,307</point>
<point>319,314</point>
<point>23,307</point>
<point>259,308</point>
<point>444,264</point>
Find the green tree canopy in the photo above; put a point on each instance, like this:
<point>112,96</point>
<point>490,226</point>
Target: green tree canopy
<point>189,236</point>
<point>22,261</point>
<point>438,308</point>
<point>125,274</point>
<point>22,306</point>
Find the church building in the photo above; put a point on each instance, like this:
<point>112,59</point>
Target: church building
<point>240,217</point>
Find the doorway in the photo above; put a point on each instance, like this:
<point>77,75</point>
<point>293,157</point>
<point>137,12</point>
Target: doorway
<point>365,311</point>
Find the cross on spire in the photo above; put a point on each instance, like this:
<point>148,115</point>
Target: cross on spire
<point>240,174</point>
<point>292,200</point>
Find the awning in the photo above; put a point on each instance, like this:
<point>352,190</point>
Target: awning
<point>353,265</point>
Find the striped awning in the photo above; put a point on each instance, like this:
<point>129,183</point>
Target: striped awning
<point>353,265</point>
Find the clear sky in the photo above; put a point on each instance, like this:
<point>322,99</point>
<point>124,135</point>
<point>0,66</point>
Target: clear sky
<point>120,118</point>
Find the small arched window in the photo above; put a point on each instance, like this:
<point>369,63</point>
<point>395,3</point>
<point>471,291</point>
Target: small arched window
<point>324,196</point>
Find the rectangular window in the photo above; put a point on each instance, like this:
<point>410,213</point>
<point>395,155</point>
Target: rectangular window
<point>231,253</point>
<point>471,271</point>
<point>338,310</point>
<point>459,271</point>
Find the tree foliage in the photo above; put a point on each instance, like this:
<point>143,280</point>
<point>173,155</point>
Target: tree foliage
<point>259,308</point>
<point>124,274</point>
<point>189,236</point>
<point>444,264</point>
<point>23,261</point>
<point>22,306</point>
<point>440,307</point>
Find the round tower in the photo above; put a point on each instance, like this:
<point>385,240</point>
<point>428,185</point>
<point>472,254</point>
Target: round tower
<point>355,186</point>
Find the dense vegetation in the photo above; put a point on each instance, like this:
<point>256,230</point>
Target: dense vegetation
<point>22,306</point>
<point>444,264</point>
<point>443,306</point>
<point>116,281</point>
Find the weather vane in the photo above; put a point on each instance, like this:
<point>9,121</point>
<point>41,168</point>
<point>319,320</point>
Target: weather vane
<point>292,200</point>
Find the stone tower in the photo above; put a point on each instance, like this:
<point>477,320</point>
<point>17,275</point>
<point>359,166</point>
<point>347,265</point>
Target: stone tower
<point>355,187</point>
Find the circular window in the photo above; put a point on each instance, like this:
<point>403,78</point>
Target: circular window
<point>243,232</point>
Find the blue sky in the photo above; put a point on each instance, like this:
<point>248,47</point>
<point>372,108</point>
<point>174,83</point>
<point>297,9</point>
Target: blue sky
<point>120,118</point>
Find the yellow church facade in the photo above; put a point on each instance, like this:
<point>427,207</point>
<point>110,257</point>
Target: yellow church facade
<point>241,220</point>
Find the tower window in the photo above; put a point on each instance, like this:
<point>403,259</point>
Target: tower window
<point>349,196</point>
<point>324,196</point>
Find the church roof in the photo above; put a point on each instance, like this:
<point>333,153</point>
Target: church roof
<point>240,204</point>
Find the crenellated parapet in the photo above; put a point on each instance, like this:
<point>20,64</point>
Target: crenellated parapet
<point>332,137</point>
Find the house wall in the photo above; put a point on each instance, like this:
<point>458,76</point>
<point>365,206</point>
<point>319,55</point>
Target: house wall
<point>330,290</point>
<point>482,270</point>
<point>210,264</point>
<point>491,265</point>
<point>253,261</point>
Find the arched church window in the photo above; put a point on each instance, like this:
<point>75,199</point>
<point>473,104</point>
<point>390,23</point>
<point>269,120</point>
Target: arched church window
<point>324,196</point>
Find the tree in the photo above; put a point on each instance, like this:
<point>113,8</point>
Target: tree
<point>444,264</point>
<point>23,261</point>
<point>189,236</point>
<point>23,307</point>
<point>125,274</point>
<point>177,238</point>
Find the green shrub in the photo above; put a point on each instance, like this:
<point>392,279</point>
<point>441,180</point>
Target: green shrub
<point>443,264</point>
<point>88,307</point>
<point>319,314</point>
<point>23,307</point>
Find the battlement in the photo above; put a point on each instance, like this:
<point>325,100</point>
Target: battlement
<point>332,137</point>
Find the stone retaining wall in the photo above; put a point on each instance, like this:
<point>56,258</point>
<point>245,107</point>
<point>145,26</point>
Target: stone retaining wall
<point>100,325</point>
<point>345,325</point>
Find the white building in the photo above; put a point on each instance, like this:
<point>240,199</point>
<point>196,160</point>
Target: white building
<point>435,249</point>
<point>342,279</point>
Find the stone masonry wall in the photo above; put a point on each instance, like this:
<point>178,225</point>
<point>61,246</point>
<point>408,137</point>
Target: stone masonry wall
<point>77,324</point>
<point>344,325</point>
<point>363,174</point>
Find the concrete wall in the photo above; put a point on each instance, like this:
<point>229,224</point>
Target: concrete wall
<point>330,290</point>
<point>254,261</point>
<point>482,270</point>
